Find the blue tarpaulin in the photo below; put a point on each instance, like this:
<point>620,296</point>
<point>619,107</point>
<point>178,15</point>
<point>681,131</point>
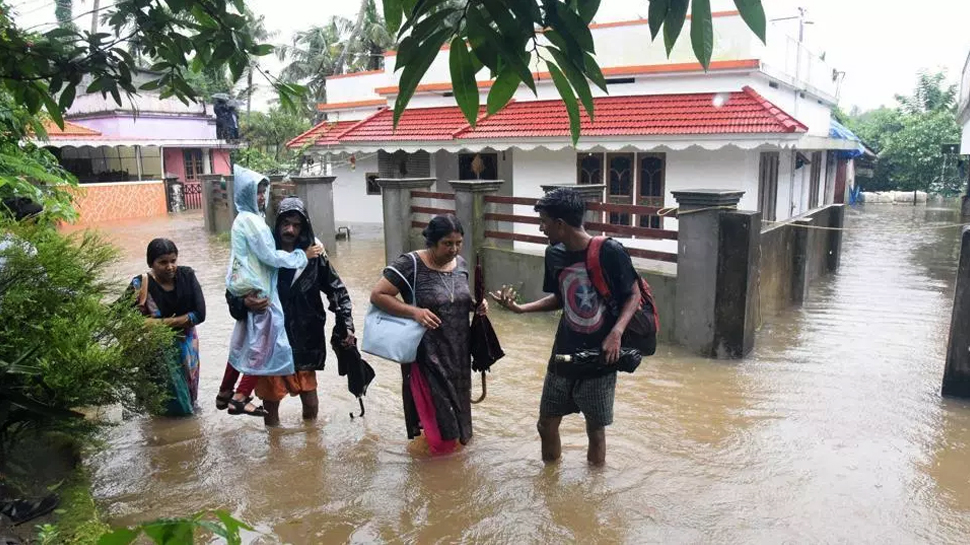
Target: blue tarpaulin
<point>840,132</point>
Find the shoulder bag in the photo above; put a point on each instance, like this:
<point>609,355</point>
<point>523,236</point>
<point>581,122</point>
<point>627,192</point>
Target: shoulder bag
<point>393,337</point>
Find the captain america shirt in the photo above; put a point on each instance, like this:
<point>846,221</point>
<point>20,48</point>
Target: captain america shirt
<point>586,317</point>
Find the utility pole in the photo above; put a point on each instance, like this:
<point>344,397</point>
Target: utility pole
<point>802,22</point>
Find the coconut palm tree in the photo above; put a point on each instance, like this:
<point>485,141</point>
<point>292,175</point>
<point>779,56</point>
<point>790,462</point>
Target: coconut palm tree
<point>257,25</point>
<point>314,55</point>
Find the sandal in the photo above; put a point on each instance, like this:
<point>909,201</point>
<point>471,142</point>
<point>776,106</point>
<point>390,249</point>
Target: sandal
<point>222,402</point>
<point>239,407</point>
<point>21,511</point>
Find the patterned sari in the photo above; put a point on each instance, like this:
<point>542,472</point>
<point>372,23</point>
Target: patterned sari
<point>182,360</point>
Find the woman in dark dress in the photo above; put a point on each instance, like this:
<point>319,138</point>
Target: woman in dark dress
<point>171,295</point>
<point>437,387</point>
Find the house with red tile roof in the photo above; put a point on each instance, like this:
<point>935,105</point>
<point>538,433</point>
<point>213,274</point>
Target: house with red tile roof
<point>758,120</point>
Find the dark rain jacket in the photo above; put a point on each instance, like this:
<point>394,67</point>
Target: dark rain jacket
<point>303,311</point>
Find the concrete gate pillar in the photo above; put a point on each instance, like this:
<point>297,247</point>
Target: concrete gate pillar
<point>470,210</point>
<point>718,253</point>
<point>396,201</point>
<point>316,192</point>
<point>956,376</point>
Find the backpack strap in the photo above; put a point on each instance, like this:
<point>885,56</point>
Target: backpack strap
<point>594,267</point>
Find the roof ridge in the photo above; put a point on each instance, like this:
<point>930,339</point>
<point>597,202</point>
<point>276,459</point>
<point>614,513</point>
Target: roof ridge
<point>789,123</point>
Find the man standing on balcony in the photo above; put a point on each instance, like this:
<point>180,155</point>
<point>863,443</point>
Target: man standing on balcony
<point>587,322</point>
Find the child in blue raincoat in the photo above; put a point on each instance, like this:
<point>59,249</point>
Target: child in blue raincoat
<point>259,345</point>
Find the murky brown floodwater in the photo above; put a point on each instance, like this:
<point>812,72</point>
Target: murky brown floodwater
<point>832,431</point>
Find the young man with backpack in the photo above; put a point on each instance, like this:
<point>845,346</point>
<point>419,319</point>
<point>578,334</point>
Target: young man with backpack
<point>592,319</point>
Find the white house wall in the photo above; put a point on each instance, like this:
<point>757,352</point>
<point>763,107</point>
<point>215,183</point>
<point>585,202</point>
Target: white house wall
<point>351,202</point>
<point>808,110</point>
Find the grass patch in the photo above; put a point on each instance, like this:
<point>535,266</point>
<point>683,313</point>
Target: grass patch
<point>78,520</point>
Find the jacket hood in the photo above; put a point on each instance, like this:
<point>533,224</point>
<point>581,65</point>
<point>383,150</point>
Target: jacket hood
<point>245,183</point>
<point>294,204</point>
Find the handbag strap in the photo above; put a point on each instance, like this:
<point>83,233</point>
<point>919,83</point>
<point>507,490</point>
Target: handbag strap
<point>412,286</point>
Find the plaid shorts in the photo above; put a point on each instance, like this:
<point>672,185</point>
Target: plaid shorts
<point>593,397</point>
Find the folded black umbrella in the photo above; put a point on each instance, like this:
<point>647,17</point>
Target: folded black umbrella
<point>359,373</point>
<point>485,347</point>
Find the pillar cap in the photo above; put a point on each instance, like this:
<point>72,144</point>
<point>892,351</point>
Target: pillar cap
<point>308,180</point>
<point>587,191</point>
<point>405,183</point>
<point>476,186</point>
<point>702,198</point>
<point>211,176</point>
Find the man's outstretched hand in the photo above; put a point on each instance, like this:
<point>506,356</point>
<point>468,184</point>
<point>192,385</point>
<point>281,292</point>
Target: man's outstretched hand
<point>506,297</point>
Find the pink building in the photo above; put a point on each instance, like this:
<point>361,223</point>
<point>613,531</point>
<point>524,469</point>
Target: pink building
<point>122,155</point>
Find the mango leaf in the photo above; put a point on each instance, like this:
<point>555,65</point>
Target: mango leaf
<point>593,72</point>
<point>576,28</point>
<point>503,88</point>
<point>674,23</point>
<point>576,79</point>
<point>53,109</point>
<point>656,16</point>
<point>67,97</point>
<point>506,51</point>
<point>702,31</point>
<point>393,14</point>
<point>499,13</point>
<point>753,13</point>
<point>263,49</point>
<point>413,72</point>
<point>568,98</point>
<point>463,80</point>
<point>588,9</point>
<point>121,536</point>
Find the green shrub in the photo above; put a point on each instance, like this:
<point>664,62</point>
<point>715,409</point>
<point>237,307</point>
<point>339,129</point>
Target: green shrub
<point>65,342</point>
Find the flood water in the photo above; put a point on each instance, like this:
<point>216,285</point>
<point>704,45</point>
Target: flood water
<point>833,430</point>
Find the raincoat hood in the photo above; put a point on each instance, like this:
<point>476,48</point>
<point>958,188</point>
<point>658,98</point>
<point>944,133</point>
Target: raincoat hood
<point>245,183</point>
<point>294,204</point>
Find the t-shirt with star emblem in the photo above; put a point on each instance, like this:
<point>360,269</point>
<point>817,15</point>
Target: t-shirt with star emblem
<point>586,318</point>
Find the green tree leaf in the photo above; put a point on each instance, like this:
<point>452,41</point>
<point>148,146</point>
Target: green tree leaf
<point>576,79</point>
<point>412,74</point>
<point>588,9</point>
<point>674,22</point>
<point>503,88</point>
<point>578,29</point>
<point>593,72</point>
<point>121,536</point>
<point>702,31</point>
<point>753,13</point>
<point>67,97</point>
<point>393,14</point>
<point>463,80</point>
<point>509,54</point>
<point>569,99</point>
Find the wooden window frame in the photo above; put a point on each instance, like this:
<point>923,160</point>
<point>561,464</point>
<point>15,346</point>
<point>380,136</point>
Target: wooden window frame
<point>655,222</point>
<point>367,183</point>
<point>768,166</point>
<point>815,178</point>
<point>579,167</point>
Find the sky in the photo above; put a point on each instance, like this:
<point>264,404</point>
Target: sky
<point>880,48</point>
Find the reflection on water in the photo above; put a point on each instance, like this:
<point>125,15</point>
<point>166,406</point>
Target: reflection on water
<point>833,429</point>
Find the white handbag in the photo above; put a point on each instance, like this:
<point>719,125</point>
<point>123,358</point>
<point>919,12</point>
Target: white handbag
<point>393,337</point>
